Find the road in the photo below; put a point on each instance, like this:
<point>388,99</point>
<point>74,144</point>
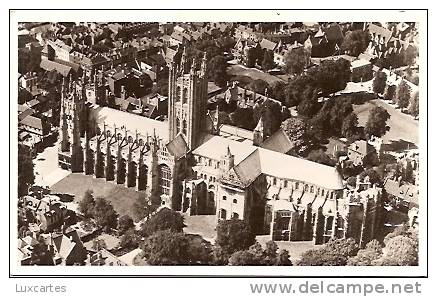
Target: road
<point>47,172</point>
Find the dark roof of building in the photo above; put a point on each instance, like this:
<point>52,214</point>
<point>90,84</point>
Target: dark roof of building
<point>177,147</point>
<point>32,121</point>
<point>47,65</point>
<point>278,142</point>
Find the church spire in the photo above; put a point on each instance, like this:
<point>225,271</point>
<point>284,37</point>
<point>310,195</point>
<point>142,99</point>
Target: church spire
<point>183,60</point>
<point>203,67</point>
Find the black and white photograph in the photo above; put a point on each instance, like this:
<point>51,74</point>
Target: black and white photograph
<point>218,143</point>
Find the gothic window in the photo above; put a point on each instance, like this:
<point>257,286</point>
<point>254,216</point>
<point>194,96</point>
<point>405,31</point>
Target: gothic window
<point>178,94</point>
<point>178,125</point>
<point>235,201</point>
<point>223,214</point>
<point>235,215</point>
<point>297,185</point>
<point>274,181</point>
<point>184,127</point>
<point>185,96</point>
<point>164,179</point>
<point>285,183</point>
<point>323,192</point>
<point>224,198</point>
<point>312,189</point>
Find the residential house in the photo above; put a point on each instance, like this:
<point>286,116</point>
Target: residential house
<point>361,152</point>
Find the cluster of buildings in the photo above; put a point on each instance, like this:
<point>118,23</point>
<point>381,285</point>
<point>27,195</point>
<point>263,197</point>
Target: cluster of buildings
<point>170,146</point>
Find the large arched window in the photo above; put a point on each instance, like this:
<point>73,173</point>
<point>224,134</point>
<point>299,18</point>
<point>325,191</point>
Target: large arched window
<point>164,179</point>
<point>178,125</point>
<point>178,94</point>
<point>185,96</point>
<point>184,127</point>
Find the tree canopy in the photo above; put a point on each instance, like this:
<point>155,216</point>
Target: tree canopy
<point>355,42</point>
<point>164,219</point>
<point>376,124</point>
<point>296,60</point>
<point>234,235</point>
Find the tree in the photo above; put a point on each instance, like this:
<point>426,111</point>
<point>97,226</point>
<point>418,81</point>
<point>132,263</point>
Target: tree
<point>355,42</point>
<point>104,214</point>
<point>296,60</point>
<point>365,257</point>
<point>258,86</point>
<point>374,177</point>
<point>42,254</point>
<point>295,89</point>
<point>166,247</point>
<point>376,124</point>
<point>130,240</point>
<point>268,62</point>
<point>243,118</point>
<point>298,132</point>
<point>217,70</point>
<point>335,253</point>
<point>162,220</point>
<point>99,244</point>
<point>403,94</point>
<point>379,82</point>
<point>321,157</point>
<point>408,174</point>
<point>414,105</point>
<point>309,104</point>
<point>349,126</point>
<point>86,205</point>
<point>331,76</point>
<point>26,176</point>
<point>278,91</point>
<point>143,208</point>
<point>256,255</point>
<point>125,222</point>
<point>271,113</point>
<point>390,92</point>
<point>234,235</point>
<point>402,251</point>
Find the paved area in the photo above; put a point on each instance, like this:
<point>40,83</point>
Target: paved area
<point>47,172</point>
<point>130,257</point>
<point>203,225</point>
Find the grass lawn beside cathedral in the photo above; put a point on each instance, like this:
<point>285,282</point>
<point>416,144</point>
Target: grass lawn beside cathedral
<point>122,198</point>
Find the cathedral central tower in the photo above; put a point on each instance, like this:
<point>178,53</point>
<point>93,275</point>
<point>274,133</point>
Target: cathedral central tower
<point>187,98</point>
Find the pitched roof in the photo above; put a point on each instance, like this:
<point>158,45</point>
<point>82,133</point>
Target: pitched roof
<point>47,65</point>
<point>278,142</point>
<point>290,167</point>
<point>380,31</point>
<point>178,147</point>
<point>268,45</point>
<point>32,121</point>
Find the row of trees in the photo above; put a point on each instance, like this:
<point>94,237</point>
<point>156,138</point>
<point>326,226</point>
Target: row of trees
<point>399,248</point>
<point>401,94</point>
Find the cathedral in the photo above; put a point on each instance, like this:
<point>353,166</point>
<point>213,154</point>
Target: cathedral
<point>193,164</point>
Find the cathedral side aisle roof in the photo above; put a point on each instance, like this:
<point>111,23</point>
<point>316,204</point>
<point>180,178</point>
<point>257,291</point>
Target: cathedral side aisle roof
<point>144,126</point>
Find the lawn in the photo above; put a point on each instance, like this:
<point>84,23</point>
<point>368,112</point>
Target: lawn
<point>122,198</point>
<point>404,130</point>
<point>252,73</point>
